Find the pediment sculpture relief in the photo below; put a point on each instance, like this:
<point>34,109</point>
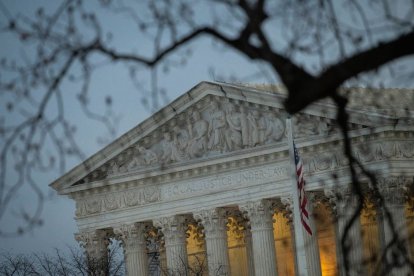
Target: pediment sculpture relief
<point>213,127</point>
<point>218,128</point>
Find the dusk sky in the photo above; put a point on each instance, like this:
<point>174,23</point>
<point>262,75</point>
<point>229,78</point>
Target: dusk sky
<point>208,62</point>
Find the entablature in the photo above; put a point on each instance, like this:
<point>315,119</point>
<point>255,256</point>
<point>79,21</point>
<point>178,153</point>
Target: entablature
<point>250,172</point>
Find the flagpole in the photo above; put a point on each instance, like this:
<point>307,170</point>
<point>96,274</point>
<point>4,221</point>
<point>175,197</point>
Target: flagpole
<point>297,225</point>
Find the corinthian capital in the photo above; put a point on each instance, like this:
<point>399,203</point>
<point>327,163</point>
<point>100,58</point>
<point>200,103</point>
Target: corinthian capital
<point>287,210</point>
<point>214,221</point>
<point>258,212</point>
<point>331,200</point>
<point>173,228</point>
<point>131,235</point>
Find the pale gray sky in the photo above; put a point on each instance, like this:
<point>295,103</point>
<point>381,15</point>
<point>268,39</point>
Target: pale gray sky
<point>209,61</point>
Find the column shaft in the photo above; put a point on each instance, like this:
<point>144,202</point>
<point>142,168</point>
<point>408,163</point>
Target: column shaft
<point>174,230</point>
<point>249,251</point>
<point>214,222</point>
<point>135,249</point>
<point>396,244</point>
<point>260,215</point>
<point>353,251</point>
<point>312,247</point>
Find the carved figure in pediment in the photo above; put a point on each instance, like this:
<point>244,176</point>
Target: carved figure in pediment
<point>324,128</point>
<point>262,129</point>
<point>233,132</point>
<point>216,130</point>
<point>133,163</point>
<point>244,126</point>
<point>197,144</point>
<point>253,124</point>
<point>148,157</point>
<point>115,168</point>
<point>304,126</point>
<point>274,128</point>
<point>170,150</point>
<point>181,138</point>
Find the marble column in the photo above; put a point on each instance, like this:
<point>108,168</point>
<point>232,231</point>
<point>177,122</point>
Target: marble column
<point>394,241</point>
<point>344,205</point>
<point>135,247</point>
<point>95,243</point>
<point>249,250</point>
<point>311,242</point>
<point>260,215</point>
<point>214,222</point>
<point>174,229</point>
<point>288,213</point>
<point>311,249</point>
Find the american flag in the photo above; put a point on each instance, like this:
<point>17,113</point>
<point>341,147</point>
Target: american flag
<point>303,201</point>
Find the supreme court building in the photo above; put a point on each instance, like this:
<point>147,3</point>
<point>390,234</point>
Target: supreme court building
<point>205,184</point>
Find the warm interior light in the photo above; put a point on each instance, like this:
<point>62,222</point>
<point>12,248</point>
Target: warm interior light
<point>326,240</point>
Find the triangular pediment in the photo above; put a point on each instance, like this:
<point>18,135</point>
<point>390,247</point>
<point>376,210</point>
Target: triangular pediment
<point>210,121</point>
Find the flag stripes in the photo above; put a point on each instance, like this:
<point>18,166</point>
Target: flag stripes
<point>303,201</point>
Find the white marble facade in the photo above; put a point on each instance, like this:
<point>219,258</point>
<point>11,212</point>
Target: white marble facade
<point>204,183</point>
